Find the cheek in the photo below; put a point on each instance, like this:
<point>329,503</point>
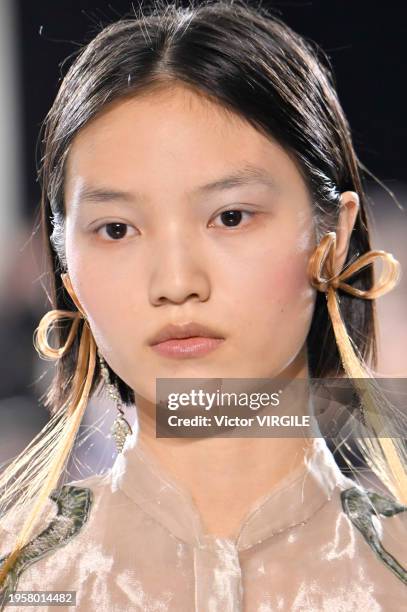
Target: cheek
<point>277,302</point>
<point>289,283</point>
<point>102,289</point>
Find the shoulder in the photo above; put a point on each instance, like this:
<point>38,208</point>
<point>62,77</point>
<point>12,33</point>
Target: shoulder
<point>64,515</point>
<point>74,499</point>
<point>382,521</point>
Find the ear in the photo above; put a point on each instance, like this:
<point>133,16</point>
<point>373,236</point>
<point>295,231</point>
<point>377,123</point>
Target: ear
<point>68,286</point>
<point>349,208</point>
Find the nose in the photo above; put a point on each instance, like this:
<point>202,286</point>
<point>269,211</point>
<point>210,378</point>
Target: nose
<point>179,272</point>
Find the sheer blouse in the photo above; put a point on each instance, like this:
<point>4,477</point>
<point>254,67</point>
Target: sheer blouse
<point>132,539</point>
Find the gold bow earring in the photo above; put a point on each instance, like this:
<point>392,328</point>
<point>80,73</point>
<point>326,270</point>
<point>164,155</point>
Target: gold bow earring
<point>380,446</point>
<point>321,271</point>
<point>86,362</point>
<point>83,377</point>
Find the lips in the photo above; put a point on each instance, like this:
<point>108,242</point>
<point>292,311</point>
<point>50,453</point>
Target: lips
<point>186,348</point>
<point>184,330</point>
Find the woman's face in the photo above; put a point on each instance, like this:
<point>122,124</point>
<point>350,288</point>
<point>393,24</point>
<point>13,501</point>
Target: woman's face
<point>147,245</point>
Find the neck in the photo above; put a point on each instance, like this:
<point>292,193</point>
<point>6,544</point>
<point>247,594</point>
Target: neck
<point>227,476</point>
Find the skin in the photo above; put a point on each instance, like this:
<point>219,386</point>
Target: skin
<point>180,262</point>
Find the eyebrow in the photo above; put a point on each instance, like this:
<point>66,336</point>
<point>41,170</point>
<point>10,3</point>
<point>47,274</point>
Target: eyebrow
<point>248,175</point>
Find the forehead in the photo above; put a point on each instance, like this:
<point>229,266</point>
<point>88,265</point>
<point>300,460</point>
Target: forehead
<point>174,136</point>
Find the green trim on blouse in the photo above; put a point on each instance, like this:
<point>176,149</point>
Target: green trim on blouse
<point>74,504</point>
<point>360,506</point>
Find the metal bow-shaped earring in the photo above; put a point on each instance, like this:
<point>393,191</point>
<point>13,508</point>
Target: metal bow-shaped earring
<point>324,258</point>
<point>86,359</point>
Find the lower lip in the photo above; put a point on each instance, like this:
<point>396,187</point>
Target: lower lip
<point>187,347</point>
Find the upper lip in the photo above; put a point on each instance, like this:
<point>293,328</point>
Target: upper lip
<point>184,330</point>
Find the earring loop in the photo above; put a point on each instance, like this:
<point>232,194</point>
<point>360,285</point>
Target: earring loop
<point>41,334</point>
<point>323,257</point>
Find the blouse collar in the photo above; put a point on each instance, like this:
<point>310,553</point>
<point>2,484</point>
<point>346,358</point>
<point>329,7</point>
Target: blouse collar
<point>292,501</point>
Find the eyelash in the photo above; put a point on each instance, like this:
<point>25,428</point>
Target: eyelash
<point>97,230</point>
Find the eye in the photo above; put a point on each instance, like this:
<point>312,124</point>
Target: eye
<point>114,230</point>
<point>233,217</point>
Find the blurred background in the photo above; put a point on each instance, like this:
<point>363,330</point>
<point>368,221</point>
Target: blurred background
<point>365,42</point>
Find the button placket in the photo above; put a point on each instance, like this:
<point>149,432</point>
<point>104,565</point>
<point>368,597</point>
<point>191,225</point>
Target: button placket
<point>218,576</point>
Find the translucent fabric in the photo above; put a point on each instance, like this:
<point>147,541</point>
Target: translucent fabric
<point>316,543</point>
